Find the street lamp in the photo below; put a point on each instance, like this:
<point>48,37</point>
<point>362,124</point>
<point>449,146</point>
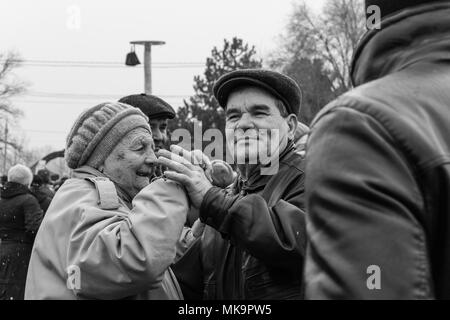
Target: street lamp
<point>132,60</point>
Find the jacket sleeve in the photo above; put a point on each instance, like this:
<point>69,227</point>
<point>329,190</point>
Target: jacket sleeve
<point>33,214</point>
<point>275,235</point>
<point>124,253</point>
<point>363,204</point>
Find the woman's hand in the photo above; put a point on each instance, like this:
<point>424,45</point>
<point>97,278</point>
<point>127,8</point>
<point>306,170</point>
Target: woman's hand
<point>188,168</point>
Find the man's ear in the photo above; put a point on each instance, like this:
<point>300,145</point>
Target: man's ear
<point>292,124</point>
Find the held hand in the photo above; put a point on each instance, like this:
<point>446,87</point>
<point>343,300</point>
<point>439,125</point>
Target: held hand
<point>182,170</point>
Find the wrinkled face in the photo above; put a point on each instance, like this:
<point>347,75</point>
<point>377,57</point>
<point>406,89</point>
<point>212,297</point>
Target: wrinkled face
<point>254,126</point>
<point>159,132</point>
<point>131,164</point>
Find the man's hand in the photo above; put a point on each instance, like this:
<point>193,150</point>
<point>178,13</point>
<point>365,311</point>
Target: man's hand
<point>185,168</point>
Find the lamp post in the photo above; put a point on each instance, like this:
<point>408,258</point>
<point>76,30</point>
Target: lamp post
<point>6,146</point>
<point>147,61</point>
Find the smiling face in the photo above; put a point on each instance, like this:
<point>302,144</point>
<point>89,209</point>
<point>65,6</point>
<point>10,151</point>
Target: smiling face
<point>255,127</point>
<point>159,132</point>
<point>131,164</point>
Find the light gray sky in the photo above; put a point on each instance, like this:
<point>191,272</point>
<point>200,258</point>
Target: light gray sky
<point>49,30</point>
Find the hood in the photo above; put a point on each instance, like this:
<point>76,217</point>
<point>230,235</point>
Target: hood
<point>13,189</point>
<point>417,35</point>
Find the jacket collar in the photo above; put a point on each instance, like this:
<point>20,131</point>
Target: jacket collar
<point>417,35</point>
<point>256,180</point>
<point>12,189</point>
<point>88,172</point>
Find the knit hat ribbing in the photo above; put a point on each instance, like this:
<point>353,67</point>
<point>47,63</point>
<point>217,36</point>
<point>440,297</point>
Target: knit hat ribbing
<point>98,130</point>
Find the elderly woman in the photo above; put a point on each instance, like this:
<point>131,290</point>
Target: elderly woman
<point>20,216</point>
<point>109,233</point>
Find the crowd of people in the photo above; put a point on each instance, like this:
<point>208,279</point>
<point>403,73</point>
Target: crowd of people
<point>356,207</point>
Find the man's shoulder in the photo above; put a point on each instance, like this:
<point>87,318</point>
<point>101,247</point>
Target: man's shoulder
<point>397,96</point>
<point>292,163</point>
<point>363,99</point>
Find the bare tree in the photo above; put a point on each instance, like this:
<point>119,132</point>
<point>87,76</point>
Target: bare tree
<point>9,85</point>
<point>331,36</point>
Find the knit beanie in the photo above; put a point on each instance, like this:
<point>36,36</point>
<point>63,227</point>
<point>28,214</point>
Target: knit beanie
<point>388,7</point>
<point>98,130</point>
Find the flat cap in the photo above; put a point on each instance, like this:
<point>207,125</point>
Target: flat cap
<point>277,84</point>
<point>152,106</point>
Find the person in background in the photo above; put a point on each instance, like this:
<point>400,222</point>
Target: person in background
<point>41,192</point>
<point>378,165</point>
<point>44,174</point>
<point>159,112</point>
<point>20,217</point>
<point>60,182</point>
<point>4,179</point>
<point>109,233</point>
<point>301,137</point>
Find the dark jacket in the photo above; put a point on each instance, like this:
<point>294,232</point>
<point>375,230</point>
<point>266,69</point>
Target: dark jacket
<point>20,217</point>
<point>378,164</point>
<point>44,196</point>
<point>20,214</point>
<point>253,246</point>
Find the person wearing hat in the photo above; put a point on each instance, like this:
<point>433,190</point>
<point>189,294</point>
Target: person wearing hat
<point>41,193</point>
<point>109,233</point>
<point>20,217</point>
<point>254,243</point>
<point>378,163</point>
<point>158,112</point>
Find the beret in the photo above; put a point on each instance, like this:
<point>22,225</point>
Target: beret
<point>152,106</point>
<point>388,7</point>
<point>277,84</point>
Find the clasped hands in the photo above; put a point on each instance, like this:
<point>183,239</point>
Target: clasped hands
<point>189,168</point>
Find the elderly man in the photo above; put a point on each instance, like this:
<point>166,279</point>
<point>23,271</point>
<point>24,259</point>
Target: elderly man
<point>158,112</point>
<point>108,233</point>
<point>378,163</point>
<point>253,247</point>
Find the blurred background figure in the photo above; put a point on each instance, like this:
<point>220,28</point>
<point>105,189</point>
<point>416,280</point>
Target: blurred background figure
<point>4,179</point>
<point>46,185</point>
<point>59,183</point>
<point>20,217</point>
<point>41,193</point>
<point>300,137</point>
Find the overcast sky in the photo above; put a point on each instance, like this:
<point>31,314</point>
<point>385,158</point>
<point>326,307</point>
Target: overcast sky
<point>100,31</point>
